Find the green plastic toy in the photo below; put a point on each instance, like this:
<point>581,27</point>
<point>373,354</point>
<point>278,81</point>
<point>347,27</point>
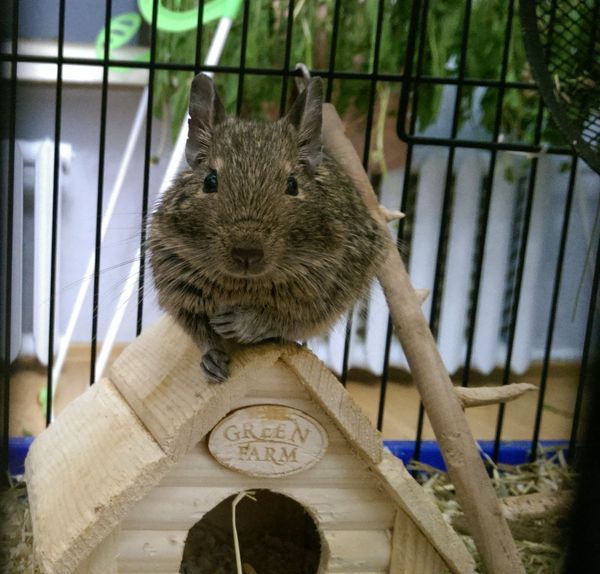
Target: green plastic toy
<point>125,26</point>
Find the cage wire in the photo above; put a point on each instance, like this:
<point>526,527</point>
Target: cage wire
<point>563,47</point>
<point>399,51</point>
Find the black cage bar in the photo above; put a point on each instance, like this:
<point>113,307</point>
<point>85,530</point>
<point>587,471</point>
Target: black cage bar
<point>412,83</point>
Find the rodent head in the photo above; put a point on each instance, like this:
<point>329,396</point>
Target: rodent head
<point>253,203</point>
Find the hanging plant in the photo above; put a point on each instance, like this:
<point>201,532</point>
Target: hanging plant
<point>311,39</point>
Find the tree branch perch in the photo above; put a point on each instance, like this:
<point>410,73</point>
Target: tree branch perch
<point>473,487</point>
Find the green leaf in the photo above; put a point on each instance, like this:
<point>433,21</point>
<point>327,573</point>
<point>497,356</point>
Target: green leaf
<point>43,399</point>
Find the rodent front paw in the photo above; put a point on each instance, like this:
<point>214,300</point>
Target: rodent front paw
<point>240,325</point>
<point>215,363</point>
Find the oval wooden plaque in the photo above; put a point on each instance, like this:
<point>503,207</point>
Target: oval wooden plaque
<point>268,440</point>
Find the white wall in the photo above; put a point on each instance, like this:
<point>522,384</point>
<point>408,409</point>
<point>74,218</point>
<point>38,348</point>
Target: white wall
<point>80,128</point>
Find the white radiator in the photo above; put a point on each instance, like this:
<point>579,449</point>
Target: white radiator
<point>32,244</point>
<point>369,328</point>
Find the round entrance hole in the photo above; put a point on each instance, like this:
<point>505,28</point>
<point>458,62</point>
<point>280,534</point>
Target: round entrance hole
<point>276,536</point>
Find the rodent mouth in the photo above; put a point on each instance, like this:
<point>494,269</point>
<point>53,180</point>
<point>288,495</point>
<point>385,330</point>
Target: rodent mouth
<point>245,272</point>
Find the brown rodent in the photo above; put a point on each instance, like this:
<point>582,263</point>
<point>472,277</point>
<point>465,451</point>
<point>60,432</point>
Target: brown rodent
<point>264,236</point>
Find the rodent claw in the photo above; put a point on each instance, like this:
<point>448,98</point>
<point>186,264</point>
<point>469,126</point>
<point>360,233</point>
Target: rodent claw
<point>215,364</point>
<point>239,325</point>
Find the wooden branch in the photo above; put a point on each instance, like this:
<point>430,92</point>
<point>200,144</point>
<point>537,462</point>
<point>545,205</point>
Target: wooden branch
<point>473,487</point>
<point>391,215</point>
<point>422,295</point>
<point>480,396</point>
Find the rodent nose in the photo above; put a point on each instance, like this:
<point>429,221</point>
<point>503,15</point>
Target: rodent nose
<point>247,256</point>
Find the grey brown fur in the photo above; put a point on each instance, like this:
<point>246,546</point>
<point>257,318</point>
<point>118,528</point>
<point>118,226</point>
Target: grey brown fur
<point>251,262</point>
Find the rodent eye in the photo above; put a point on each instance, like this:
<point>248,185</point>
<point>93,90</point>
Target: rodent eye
<point>211,183</point>
<point>292,185</point>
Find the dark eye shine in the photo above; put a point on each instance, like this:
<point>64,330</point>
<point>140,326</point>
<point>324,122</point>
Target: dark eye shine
<point>292,185</point>
<point>211,183</point>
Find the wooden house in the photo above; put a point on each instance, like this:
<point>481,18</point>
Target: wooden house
<point>122,480</point>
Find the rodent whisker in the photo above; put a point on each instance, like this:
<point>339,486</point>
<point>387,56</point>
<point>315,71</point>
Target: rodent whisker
<point>103,271</point>
<point>112,293</point>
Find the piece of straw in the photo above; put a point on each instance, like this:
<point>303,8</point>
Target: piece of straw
<point>236,542</point>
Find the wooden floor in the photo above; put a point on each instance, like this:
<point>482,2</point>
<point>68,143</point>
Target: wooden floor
<point>27,416</point>
<point>402,407</point>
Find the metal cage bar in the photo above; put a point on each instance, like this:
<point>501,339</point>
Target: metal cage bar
<point>365,161</point>
<point>8,205</point>
<point>146,188</point>
<point>410,80</point>
<point>553,307</point>
<point>100,195</point>
<point>487,197</point>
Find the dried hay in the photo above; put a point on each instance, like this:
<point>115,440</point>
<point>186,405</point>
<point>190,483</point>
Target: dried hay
<point>16,539</point>
<point>550,474</point>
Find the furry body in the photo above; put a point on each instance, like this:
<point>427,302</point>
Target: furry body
<point>317,250</point>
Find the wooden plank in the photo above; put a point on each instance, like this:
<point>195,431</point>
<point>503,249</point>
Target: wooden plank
<point>276,383</point>
<point>151,551</point>
<point>357,550</point>
<point>175,508</point>
<point>280,385</point>
<point>412,553</point>
<point>103,559</point>
<point>411,498</point>
<point>327,392</point>
<point>340,468</point>
<point>75,497</point>
<point>353,552</point>
<point>160,376</point>
<point>179,508</point>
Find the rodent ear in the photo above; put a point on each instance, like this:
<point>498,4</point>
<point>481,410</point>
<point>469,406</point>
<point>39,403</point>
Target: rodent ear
<point>306,116</point>
<point>206,111</point>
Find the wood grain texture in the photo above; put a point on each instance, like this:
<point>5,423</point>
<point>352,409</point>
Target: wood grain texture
<point>179,508</point>
<point>342,468</point>
<point>423,513</point>
<point>412,553</point>
<point>357,550</point>
<point>83,473</point>
<point>103,559</point>
<point>481,396</point>
<point>329,394</point>
<point>152,430</point>
<point>151,551</point>
<point>160,376</point>
<point>279,382</point>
